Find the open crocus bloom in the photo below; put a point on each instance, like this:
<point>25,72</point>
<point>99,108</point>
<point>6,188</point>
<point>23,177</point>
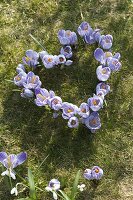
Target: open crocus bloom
<point>102,56</point>
<point>93,122</point>
<point>32,81</point>
<point>87,174</point>
<point>97,172</point>
<point>20,79</point>
<point>31,58</point>
<point>104,87</point>
<point>84,110</point>
<point>67,37</point>
<point>55,103</point>
<point>49,61</point>
<point>95,103</point>
<point>114,64</point>
<point>60,59</point>
<point>11,162</point>
<point>54,185</point>
<point>73,122</point>
<point>69,110</point>
<point>42,96</point>
<point>105,41</point>
<point>103,73</point>
<point>66,51</point>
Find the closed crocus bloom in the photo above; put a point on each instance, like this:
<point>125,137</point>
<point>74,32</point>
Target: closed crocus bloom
<point>89,38</point>
<point>31,58</point>
<point>93,122</point>
<point>67,37</point>
<point>42,54</point>
<point>102,56</point>
<point>114,64</point>
<point>42,96</point>
<point>11,161</point>
<point>104,87</point>
<point>84,110</point>
<point>96,34</point>
<point>84,29</point>
<point>55,103</point>
<point>100,93</point>
<point>20,68</point>
<point>97,173</point>
<point>87,174</point>
<point>103,73</point>
<point>68,62</point>
<point>66,51</point>
<point>69,110</point>
<point>60,59</point>
<point>27,93</point>
<point>95,103</point>
<point>54,184</point>
<point>32,81</point>
<point>105,41</point>
<point>20,79</point>
<point>73,122</point>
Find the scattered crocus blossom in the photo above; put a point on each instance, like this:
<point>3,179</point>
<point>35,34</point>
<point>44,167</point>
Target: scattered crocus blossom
<point>54,185</point>
<point>103,73</point>
<point>42,54</point>
<point>114,64</point>
<point>100,93</point>
<point>67,37</point>
<point>60,59</point>
<point>31,58</point>
<point>93,122</point>
<point>97,172</point>
<point>92,36</point>
<point>14,191</point>
<point>105,41</point>
<point>68,62</point>
<point>42,96</point>
<point>32,81</point>
<point>73,122</point>
<point>27,93</point>
<point>69,110</point>
<point>66,51</point>
<point>49,61</point>
<point>20,68</point>
<point>55,103</point>
<point>84,29</point>
<point>102,56</point>
<point>84,110</point>
<point>20,79</point>
<point>88,174</point>
<point>81,187</point>
<point>95,103</point>
<point>104,87</point>
<point>11,161</point>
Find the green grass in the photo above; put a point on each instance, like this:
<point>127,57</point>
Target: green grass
<point>26,127</point>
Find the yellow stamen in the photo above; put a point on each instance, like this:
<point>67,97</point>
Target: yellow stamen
<point>94,101</point>
<point>41,96</point>
<point>50,59</point>
<point>97,170</point>
<point>33,79</point>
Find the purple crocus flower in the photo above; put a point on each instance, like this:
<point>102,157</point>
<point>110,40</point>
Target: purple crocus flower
<point>105,41</point>
<point>54,185</point>
<point>20,68</point>
<point>93,122</point>
<point>73,122</point>
<point>95,103</point>
<point>104,87</point>
<point>100,93</point>
<point>88,174</point>
<point>69,110</point>
<point>66,51</point>
<point>92,36</point>
<point>67,37</point>
<point>102,56</point>
<point>49,61</point>
<point>32,81</point>
<point>42,54</point>
<point>97,172</point>
<point>27,93</point>
<point>68,62</point>
<point>42,96</point>
<point>31,58</point>
<point>20,79</point>
<point>11,161</point>
<point>103,73</point>
<point>84,110</point>
<point>55,103</point>
<point>114,64</point>
<point>60,59</point>
<point>84,29</point>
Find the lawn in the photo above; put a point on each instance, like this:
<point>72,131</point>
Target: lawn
<point>26,127</point>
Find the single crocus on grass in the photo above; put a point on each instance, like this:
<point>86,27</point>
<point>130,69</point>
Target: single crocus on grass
<point>11,161</point>
<point>93,122</point>
<point>95,173</point>
<point>54,185</point>
<point>103,73</point>
<point>67,37</point>
<point>31,58</point>
<point>32,81</point>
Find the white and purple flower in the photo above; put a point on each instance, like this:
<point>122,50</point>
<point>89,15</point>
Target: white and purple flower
<point>54,185</point>
<point>66,51</point>
<point>104,87</point>
<point>31,58</point>
<point>67,37</point>
<point>73,122</point>
<point>32,81</point>
<point>42,96</point>
<point>93,122</point>
<point>95,103</point>
<point>103,73</point>
<point>114,64</point>
<point>49,61</point>
<point>20,79</point>
<point>11,161</point>
<point>105,41</point>
<point>69,110</point>
<point>84,110</point>
<point>84,29</point>
<point>27,93</point>
<point>55,103</point>
<point>20,68</point>
<point>95,173</point>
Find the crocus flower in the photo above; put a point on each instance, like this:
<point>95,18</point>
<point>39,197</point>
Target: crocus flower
<point>92,36</point>
<point>102,56</point>
<point>32,81</point>
<point>97,172</point>
<point>104,87</point>
<point>103,73</point>
<point>73,122</point>
<point>95,103</point>
<point>84,110</point>
<point>20,68</point>
<point>20,79</point>
<point>100,93</point>
<point>84,29</point>
<point>55,103</point>
<point>60,59</point>
<point>66,51</point>
<point>11,161</point>
<point>42,96</point>
<point>69,110</point>
<point>31,58</point>
<point>54,185</point>
<point>68,62</point>
<point>81,187</point>
<point>42,54</point>
<point>93,122</point>
<point>105,41</point>
<point>49,61</point>
<point>67,37</point>
<point>87,174</point>
<point>27,93</point>
<point>114,64</point>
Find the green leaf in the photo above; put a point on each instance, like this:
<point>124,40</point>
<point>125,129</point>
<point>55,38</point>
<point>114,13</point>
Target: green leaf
<point>32,185</point>
<point>75,186</point>
<point>64,195</point>
<point>27,198</point>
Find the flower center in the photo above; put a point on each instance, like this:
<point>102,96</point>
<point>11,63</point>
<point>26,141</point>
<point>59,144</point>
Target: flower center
<point>93,121</point>
<point>41,97</point>
<point>61,59</point>
<point>17,78</point>
<point>33,79</point>
<point>69,110</point>
<point>104,71</point>
<point>28,58</point>
<point>73,122</point>
<point>83,110</point>
<point>97,170</point>
<point>50,59</point>
<point>68,33</point>
<point>55,101</point>
<point>108,54</point>
<point>95,102</point>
